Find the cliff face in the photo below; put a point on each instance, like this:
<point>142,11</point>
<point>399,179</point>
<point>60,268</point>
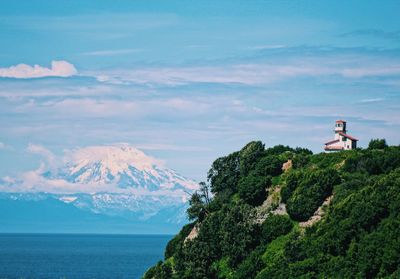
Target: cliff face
<point>286,213</point>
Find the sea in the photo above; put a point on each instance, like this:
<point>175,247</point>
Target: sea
<point>79,256</point>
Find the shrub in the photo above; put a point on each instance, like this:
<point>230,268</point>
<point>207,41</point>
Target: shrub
<point>269,165</point>
<point>252,189</point>
<point>249,156</point>
<point>374,161</point>
<point>314,187</point>
<point>291,182</point>
<point>177,240</point>
<point>224,173</point>
<point>274,226</point>
<point>252,265</point>
<point>377,144</point>
<point>240,235</point>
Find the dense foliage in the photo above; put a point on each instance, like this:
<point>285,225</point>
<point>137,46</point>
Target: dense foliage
<point>254,220</point>
<point>308,191</point>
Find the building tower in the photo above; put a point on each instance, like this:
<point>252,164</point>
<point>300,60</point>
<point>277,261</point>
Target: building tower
<point>340,127</point>
<point>342,140</point>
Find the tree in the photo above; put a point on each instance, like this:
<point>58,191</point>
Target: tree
<point>251,265</point>
<point>274,226</point>
<point>199,202</point>
<point>224,174</point>
<point>249,156</point>
<point>205,193</point>
<point>313,189</point>
<point>196,208</point>
<point>178,240</point>
<point>377,144</point>
<point>269,165</point>
<point>160,271</point>
<point>252,189</point>
<point>239,234</point>
<point>292,181</point>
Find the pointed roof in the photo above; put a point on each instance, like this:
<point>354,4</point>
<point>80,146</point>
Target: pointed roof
<point>347,136</point>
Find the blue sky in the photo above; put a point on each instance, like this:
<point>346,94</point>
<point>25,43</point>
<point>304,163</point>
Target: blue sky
<point>188,81</point>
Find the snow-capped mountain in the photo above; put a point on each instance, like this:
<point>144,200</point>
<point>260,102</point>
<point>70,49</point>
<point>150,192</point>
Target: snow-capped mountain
<point>121,165</point>
<point>117,181</point>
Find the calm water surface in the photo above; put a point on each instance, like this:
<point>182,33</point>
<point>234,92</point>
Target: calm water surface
<point>78,256</point>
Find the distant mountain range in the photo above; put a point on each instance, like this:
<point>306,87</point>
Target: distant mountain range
<point>114,188</point>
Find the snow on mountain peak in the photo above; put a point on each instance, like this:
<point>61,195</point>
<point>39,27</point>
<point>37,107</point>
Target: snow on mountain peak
<point>113,158</point>
<point>123,165</point>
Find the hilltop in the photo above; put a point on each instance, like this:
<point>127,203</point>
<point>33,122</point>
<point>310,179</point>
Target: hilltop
<point>282,212</point>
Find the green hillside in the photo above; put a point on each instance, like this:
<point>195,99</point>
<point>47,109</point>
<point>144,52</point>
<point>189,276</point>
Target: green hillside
<point>320,216</point>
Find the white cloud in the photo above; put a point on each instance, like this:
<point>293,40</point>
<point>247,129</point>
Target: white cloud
<point>111,52</point>
<point>4,146</point>
<point>47,154</point>
<point>34,182</point>
<point>57,69</point>
<point>170,147</point>
<point>17,93</point>
<point>249,74</point>
<point>372,100</point>
<point>263,69</point>
<point>89,107</point>
<point>360,72</point>
<point>262,47</point>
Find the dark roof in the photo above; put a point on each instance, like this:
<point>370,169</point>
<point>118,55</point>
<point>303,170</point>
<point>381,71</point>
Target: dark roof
<point>347,136</point>
<point>340,121</point>
<point>332,141</point>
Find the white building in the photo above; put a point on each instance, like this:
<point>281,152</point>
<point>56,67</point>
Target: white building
<point>342,140</point>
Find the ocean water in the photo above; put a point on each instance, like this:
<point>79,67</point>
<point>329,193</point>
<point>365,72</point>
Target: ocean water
<point>79,256</point>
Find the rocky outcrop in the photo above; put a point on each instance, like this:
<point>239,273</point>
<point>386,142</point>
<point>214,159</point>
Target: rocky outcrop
<point>318,214</point>
<point>272,205</point>
<point>287,166</point>
<point>280,209</point>
<point>193,233</point>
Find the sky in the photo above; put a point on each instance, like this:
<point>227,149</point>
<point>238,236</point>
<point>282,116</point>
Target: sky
<point>189,81</point>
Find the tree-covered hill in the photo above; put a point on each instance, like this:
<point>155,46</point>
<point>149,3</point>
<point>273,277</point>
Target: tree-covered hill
<point>331,215</point>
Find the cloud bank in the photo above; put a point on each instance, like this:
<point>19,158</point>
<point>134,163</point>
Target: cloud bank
<point>57,69</point>
<point>47,154</point>
<point>88,170</point>
<point>256,73</point>
<point>378,33</point>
